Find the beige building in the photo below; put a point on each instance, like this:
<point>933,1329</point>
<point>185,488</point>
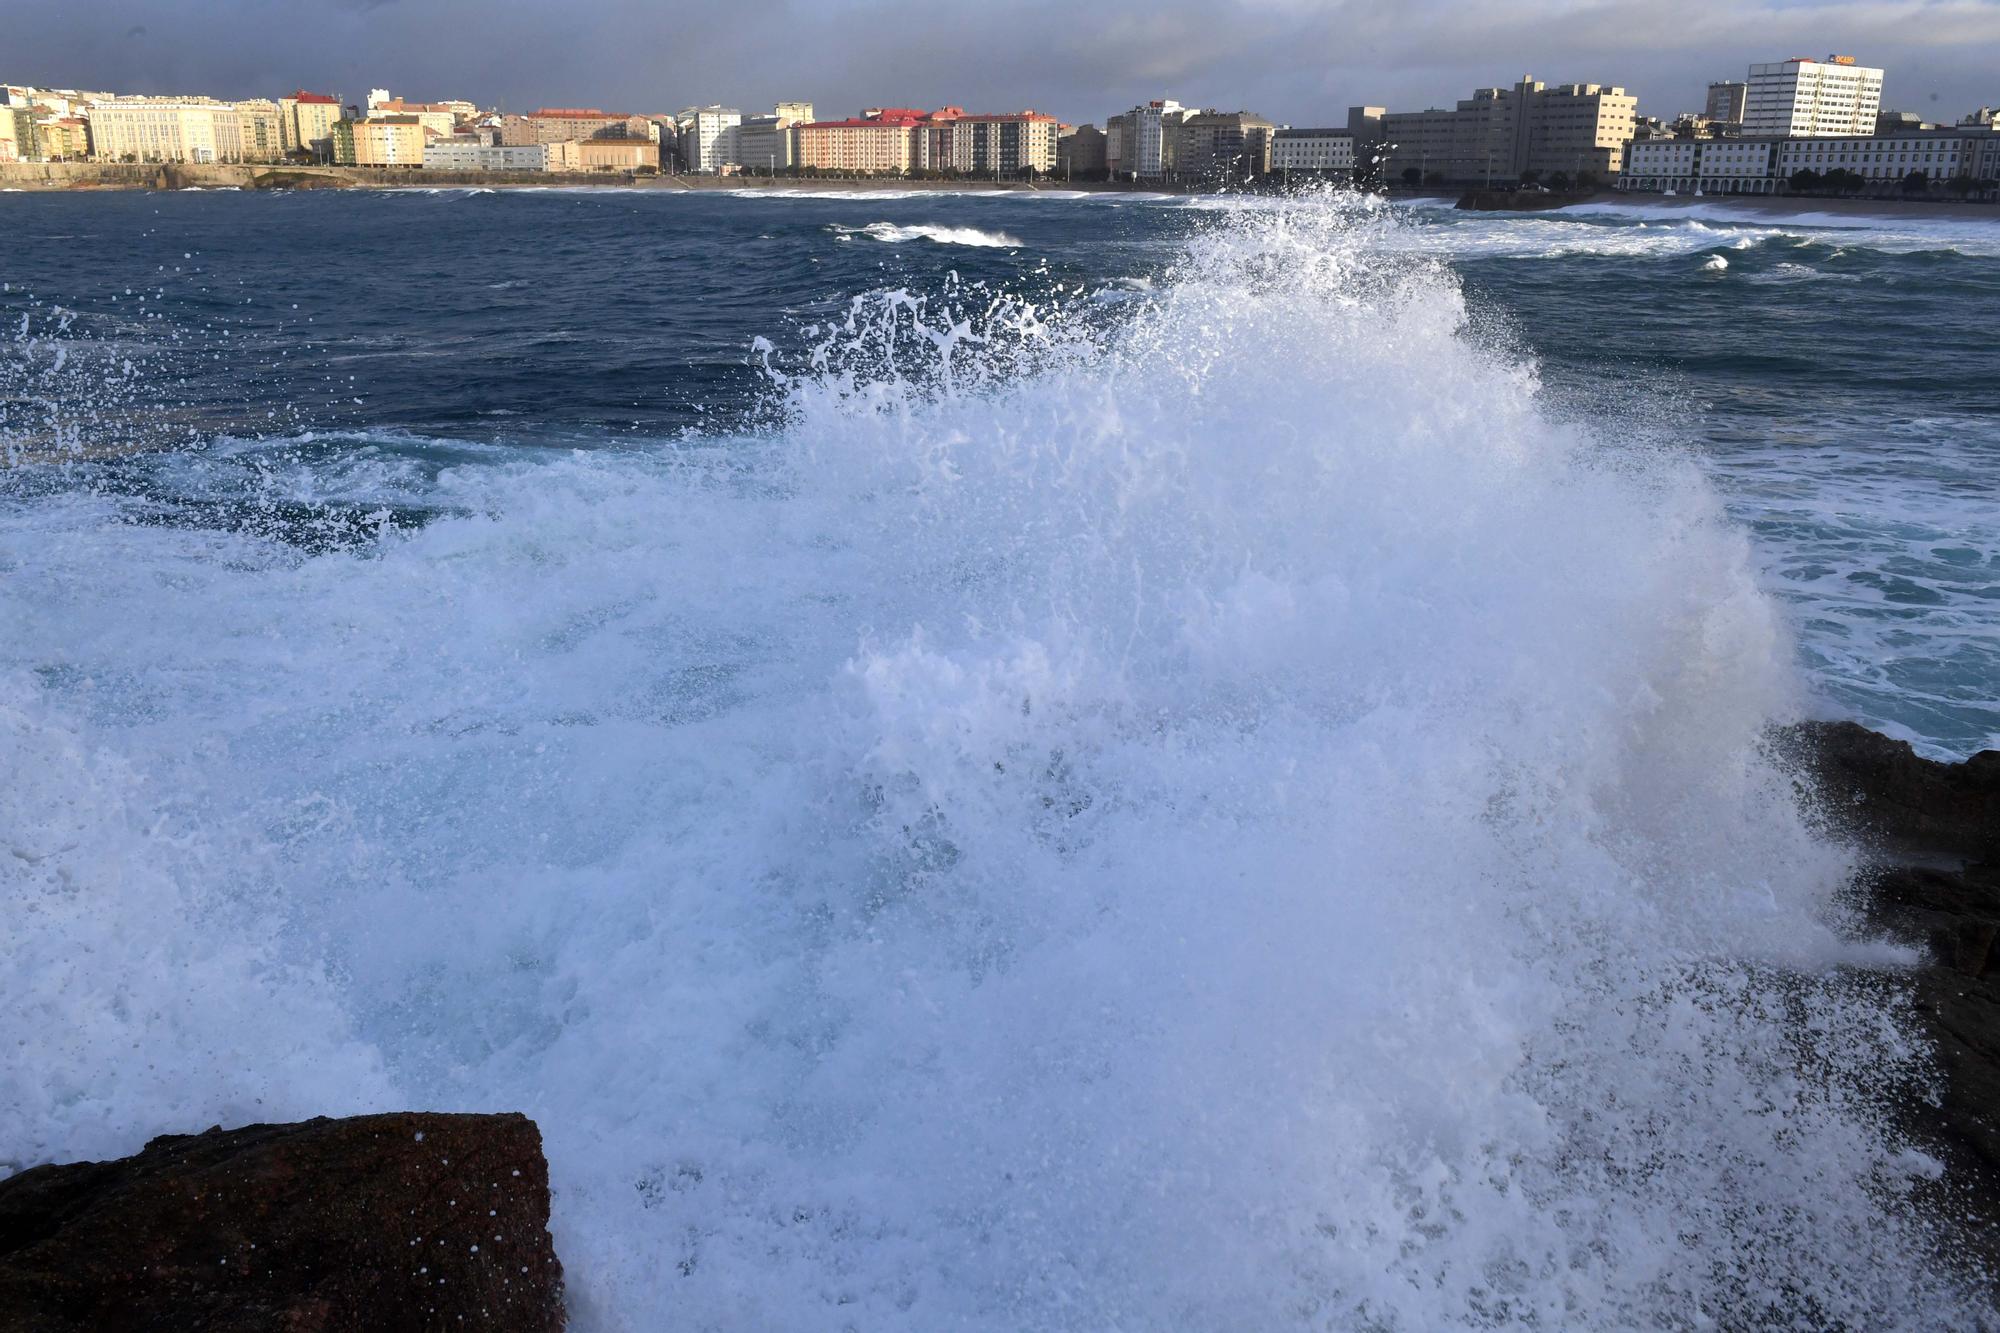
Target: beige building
<point>260,125</point>
<point>1080,151</point>
<point>617,155</point>
<point>63,138</point>
<point>306,120</point>
<point>987,145</point>
<point>379,141</point>
<point>1212,144</point>
<point>1501,135</point>
<point>437,117</point>
<point>883,141</point>
<point>165,129</point>
<point>569,124</point>
<point>1327,151</point>
<point>17,133</point>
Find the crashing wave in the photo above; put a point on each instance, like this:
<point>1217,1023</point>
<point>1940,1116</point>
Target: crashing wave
<point>1207,811</point>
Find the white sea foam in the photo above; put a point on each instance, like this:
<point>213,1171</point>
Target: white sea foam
<point>1230,818</point>
<point>1895,231</point>
<point>941,235</point>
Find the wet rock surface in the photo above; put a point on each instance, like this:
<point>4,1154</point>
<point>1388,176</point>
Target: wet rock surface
<point>385,1222</point>
<point>1931,832</point>
<point>1883,792</point>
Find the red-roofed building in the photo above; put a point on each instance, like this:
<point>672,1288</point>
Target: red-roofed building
<point>305,123</point>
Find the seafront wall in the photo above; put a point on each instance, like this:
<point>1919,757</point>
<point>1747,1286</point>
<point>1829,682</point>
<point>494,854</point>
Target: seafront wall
<point>266,176</point>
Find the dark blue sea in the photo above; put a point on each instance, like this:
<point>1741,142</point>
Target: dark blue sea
<point>1015,761</point>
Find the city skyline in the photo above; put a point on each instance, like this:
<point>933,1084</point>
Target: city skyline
<point>1255,54</point>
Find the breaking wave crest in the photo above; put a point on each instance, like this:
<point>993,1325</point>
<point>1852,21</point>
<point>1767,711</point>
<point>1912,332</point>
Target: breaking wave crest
<point>894,234</point>
<point>1210,811</point>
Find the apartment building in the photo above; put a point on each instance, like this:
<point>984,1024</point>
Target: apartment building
<point>62,138</point>
<point>1321,151</point>
<point>880,141</point>
<point>17,133</point>
<point>708,138</point>
<point>44,124</point>
<point>437,117</point>
<point>1801,98</point>
<point>165,129</point>
<point>473,154</point>
<point>984,145</point>
<point>1726,103</point>
<point>260,127</point>
<point>379,141</point>
<point>770,143</point>
<point>1222,144</point>
<point>568,124</point>
<point>764,144</point>
<point>1504,134</point>
<point>306,120</point>
<point>1139,145</point>
<point>1080,151</point>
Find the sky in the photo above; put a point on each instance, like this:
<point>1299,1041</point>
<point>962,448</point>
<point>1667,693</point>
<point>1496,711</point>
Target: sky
<point>1301,62</point>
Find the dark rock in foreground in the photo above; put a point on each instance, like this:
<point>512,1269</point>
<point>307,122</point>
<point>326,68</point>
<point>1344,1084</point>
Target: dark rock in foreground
<point>385,1222</point>
<point>1955,915</point>
<point>1932,832</point>
<point>1884,792</point>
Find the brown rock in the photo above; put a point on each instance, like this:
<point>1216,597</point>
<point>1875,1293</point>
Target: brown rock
<point>385,1222</point>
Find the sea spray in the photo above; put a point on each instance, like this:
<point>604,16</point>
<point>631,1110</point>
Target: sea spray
<point>1206,811</point>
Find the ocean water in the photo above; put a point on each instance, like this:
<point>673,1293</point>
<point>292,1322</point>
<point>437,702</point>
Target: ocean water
<point>1051,762</point>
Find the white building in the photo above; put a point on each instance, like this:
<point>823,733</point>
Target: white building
<point>1323,150</point>
<point>1798,98</point>
<point>1767,165</point>
<point>1887,159</point>
<point>708,138</point>
<point>1143,141</point>
<point>1704,166</point>
<point>473,155</point>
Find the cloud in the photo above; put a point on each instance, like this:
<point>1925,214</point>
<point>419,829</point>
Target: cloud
<point>1296,60</point>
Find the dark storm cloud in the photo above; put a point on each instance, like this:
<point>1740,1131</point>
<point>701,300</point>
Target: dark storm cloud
<point>1293,60</point>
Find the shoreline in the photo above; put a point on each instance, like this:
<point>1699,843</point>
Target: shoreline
<point>66,177</point>
<point>84,177</point>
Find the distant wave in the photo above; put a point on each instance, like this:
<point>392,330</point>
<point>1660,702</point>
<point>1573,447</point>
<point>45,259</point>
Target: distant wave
<point>942,235</point>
